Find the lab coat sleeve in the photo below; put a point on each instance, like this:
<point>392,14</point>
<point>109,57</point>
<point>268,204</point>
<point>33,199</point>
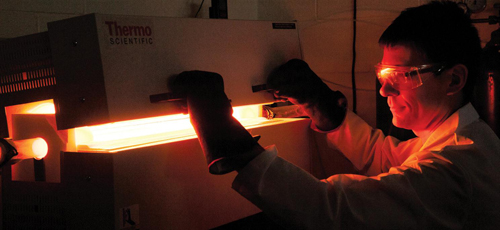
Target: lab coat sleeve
<point>434,196</point>
<point>368,149</point>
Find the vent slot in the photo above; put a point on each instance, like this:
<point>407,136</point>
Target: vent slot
<point>26,63</point>
<point>33,212</point>
<point>27,80</point>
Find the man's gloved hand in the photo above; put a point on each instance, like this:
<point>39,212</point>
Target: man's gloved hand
<point>296,82</point>
<point>227,145</point>
<point>7,152</point>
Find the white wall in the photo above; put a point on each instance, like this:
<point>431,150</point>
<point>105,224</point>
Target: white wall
<point>21,17</point>
<point>325,29</point>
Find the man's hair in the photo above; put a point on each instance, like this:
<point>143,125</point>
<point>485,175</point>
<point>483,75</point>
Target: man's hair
<point>442,33</point>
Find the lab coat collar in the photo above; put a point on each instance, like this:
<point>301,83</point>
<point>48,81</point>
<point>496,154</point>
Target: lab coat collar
<point>446,133</point>
<point>467,115</point>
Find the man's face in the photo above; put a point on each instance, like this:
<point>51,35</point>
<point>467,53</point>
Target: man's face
<point>421,108</point>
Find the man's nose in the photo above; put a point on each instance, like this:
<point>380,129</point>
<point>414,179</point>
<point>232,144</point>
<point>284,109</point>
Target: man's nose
<point>388,90</point>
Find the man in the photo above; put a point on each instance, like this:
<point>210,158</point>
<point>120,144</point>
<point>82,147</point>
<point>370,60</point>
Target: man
<point>446,178</point>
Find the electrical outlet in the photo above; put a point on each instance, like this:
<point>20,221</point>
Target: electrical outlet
<point>129,217</point>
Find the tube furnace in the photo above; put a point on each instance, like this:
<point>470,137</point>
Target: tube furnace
<point>116,158</point>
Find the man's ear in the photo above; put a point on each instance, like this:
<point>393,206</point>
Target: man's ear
<point>458,75</point>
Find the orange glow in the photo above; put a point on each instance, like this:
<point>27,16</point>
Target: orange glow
<point>39,107</point>
<point>123,135</point>
<point>132,134</point>
<point>120,136</point>
<point>43,108</point>
<point>36,148</point>
<point>384,72</point>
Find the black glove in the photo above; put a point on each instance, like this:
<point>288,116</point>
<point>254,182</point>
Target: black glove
<point>227,145</point>
<point>7,152</point>
<point>296,82</point>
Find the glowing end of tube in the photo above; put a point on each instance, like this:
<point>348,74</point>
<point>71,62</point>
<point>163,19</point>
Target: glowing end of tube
<point>40,148</point>
<point>31,148</point>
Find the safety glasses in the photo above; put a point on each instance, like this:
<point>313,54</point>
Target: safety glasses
<point>405,77</point>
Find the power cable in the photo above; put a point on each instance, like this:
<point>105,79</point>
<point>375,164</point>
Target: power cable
<point>196,15</point>
<point>353,66</point>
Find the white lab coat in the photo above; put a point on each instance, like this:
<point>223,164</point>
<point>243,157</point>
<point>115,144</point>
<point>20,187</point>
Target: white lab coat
<point>452,181</point>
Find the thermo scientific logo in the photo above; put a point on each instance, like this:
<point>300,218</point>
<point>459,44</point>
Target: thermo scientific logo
<point>129,34</point>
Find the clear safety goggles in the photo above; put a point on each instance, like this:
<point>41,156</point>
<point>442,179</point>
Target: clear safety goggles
<point>405,77</point>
